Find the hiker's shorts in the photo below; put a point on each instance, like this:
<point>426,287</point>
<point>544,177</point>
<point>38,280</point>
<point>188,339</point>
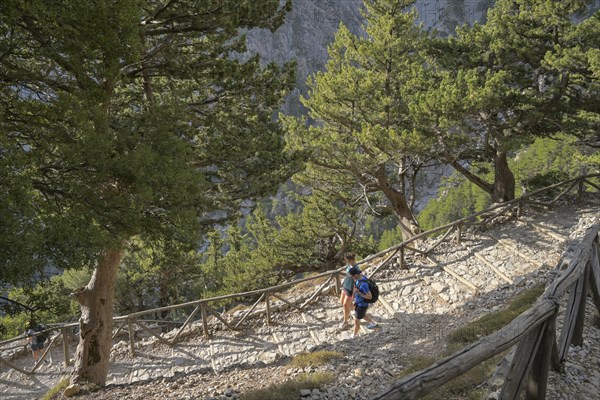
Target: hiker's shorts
<point>361,311</point>
<point>37,346</point>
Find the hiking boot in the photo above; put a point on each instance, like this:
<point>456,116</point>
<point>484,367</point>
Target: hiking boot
<point>344,325</point>
<point>372,326</point>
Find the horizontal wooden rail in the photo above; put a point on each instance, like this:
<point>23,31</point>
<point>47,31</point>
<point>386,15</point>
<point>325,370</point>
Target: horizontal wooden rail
<point>573,261</point>
<point>230,296</point>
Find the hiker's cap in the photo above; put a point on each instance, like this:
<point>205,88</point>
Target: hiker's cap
<point>354,271</point>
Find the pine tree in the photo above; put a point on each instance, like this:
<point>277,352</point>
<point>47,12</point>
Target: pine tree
<point>526,73</point>
<point>125,119</point>
<point>362,142</point>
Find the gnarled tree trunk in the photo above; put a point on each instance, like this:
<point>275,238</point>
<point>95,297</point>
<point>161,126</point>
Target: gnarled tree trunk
<point>504,180</point>
<point>503,188</point>
<point>406,220</point>
<point>95,324</point>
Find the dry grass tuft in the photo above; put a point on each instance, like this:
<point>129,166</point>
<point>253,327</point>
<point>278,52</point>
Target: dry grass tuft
<point>290,390</point>
<point>55,392</point>
<point>314,359</point>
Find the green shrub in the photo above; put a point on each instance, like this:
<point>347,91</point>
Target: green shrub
<point>456,199</point>
<point>389,238</point>
<point>46,302</point>
<point>551,160</point>
<point>546,179</point>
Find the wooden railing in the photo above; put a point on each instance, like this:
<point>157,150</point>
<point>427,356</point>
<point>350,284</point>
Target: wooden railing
<point>63,332</point>
<point>534,332</point>
<point>273,295</point>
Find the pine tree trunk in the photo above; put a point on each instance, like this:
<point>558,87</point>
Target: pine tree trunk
<point>95,324</point>
<point>504,180</point>
<point>406,220</point>
<point>164,293</point>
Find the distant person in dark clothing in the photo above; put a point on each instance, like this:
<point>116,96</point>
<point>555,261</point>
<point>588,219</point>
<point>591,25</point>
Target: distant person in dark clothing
<point>347,289</point>
<point>36,342</point>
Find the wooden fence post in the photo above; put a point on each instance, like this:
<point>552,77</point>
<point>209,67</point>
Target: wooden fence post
<point>268,307</point>
<point>538,376</point>
<point>131,336</point>
<point>577,339</point>
<point>338,287</point>
<point>66,338</point>
<point>571,317</point>
<point>595,274</point>
<point>204,320</point>
<point>402,263</point>
<point>522,362</point>
<point>555,363</point>
<point>519,209</point>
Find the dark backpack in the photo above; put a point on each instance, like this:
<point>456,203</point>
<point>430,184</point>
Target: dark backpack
<point>373,288</point>
<point>42,337</point>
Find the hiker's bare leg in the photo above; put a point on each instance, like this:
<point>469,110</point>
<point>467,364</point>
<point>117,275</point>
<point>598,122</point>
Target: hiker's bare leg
<point>346,304</point>
<point>347,307</point>
<point>369,319</point>
<point>356,326</point>
<point>343,303</point>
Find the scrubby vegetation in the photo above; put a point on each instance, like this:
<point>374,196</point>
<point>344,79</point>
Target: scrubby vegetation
<point>315,359</point>
<point>468,385</point>
<point>493,321</point>
<point>290,390</point>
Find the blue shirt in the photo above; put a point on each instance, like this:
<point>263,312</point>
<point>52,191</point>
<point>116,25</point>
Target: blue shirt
<point>363,287</point>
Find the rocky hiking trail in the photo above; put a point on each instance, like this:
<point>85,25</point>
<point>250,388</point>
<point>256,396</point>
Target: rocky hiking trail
<point>418,307</point>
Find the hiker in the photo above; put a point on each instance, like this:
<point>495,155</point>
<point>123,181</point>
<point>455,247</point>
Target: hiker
<point>361,294</point>
<point>347,288</point>
<point>36,342</point>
